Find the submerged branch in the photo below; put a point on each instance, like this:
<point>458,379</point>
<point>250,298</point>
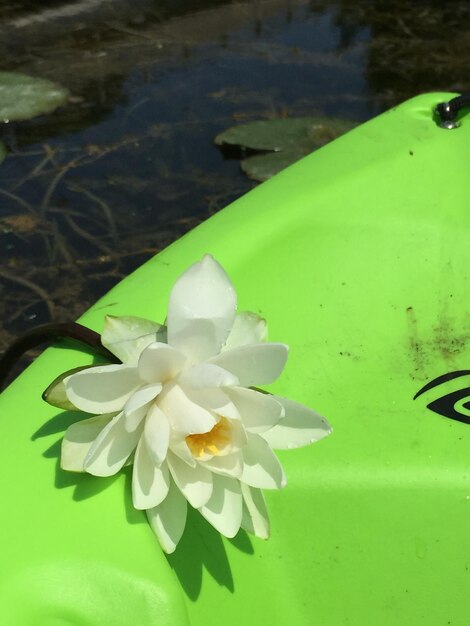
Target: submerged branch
<point>32,286</point>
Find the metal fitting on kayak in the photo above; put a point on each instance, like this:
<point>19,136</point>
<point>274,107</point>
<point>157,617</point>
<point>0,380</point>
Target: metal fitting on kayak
<point>447,111</point>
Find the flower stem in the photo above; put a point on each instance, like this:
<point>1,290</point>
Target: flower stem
<point>48,333</point>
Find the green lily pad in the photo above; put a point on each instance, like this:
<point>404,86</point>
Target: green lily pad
<point>287,140</point>
<point>263,166</point>
<point>23,97</point>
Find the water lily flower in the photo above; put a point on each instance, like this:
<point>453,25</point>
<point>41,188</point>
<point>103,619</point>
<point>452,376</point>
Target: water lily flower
<point>185,409</point>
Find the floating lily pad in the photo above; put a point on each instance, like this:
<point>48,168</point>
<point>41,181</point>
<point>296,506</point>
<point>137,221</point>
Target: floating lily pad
<point>23,97</point>
<point>263,166</point>
<point>286,140</point>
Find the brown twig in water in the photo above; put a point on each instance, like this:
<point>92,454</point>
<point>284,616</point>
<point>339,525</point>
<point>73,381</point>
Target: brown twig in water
<point>18,200</point>
<point>88,236</point>
<point>147,252</point>
<point>52,187</point>
<point>102,204</point>
<point>49,156</point>
<point>71,212</point>
<point>32,286</point>
<point>61,246</point>
<point>23,309</point>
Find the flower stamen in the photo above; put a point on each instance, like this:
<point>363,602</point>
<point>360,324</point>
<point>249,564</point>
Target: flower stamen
<point>212,442</point>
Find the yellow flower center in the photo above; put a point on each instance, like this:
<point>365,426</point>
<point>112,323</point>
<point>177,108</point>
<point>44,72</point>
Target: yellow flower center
<point>211,442</point>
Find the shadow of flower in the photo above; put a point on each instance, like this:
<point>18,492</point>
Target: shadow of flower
<point>242,542</point>
<point>85,485</point>
<point>58,424</point>
<point>203,547</point>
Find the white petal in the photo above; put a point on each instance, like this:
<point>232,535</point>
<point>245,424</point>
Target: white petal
<point>255,519</point>
<point>157,434</point>
<point>205,375</point>
<point>184,415</point>
<point>159,362</point>
<point>168,519</point>
<point>111,448</point>
<point>179,447</point>
<point>126,337</point>
<point>137,406</point>
<point>214,400</point>
<point>201,310</point>
<point>150,484</point>
<point>78,439</point>
<point>262,468</point>
<point>224,509</point>
<point>238,435</point>
<point>299,427</point>
<point>195,483</point>
<point>257,364</point>
<point>258,411</point>
<point>102,389</point>
<point>229,465</point>
<point>247,328</point>
<point>142,396</point>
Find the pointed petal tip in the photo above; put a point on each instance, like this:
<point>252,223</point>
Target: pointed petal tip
<point>263,534</point>
<point>231,534</point>
<point>301,426</point>
<point>201,310</point>
<point>168,519</point>
<point>64,466</point>
<point>208,258</point>
<point>168,549</point>
<point>255,518</point>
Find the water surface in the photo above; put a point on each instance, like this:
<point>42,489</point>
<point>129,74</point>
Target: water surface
<point>128,165</point>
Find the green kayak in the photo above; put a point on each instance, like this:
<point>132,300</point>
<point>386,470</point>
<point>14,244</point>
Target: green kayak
<point>358,258</point>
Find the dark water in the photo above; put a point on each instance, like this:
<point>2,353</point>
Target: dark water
<point>91,191</point>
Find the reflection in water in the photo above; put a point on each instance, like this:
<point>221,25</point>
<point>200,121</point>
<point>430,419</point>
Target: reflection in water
<point>91,191</point>
<point>414,47</point>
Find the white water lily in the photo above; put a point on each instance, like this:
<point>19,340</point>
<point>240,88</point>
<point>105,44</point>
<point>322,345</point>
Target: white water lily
<point>183,409</point>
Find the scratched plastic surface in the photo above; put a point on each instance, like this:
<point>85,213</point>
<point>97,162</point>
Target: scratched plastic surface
<point>358,256</point>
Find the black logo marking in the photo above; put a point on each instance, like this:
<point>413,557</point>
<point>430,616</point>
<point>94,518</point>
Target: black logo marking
<point>445,405</point>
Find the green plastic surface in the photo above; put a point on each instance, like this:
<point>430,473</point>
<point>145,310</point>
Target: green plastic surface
<point>359,258</point>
